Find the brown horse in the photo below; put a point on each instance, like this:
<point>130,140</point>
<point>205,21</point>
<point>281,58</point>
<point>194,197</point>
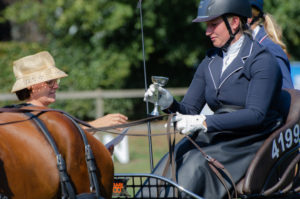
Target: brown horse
<point>28,165</point>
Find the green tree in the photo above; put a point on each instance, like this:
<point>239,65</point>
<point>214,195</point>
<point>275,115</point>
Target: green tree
<point>287,15</point>
<point>98,43</point>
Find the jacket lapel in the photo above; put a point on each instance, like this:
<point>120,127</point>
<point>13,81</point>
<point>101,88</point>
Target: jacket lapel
<point>239,62</point>
<point>215,68</point>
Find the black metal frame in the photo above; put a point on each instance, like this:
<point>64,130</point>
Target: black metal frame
<point>127,185</point>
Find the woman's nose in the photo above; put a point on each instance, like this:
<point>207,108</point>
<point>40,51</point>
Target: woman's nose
<point>56,85</point>
<point>208,31</point>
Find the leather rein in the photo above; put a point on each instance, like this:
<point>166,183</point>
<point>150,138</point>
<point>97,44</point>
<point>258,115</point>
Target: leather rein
<point>90,128</point>
<point>213,163</point>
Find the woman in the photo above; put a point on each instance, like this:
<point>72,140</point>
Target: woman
<point>268,33</point>
<point>37,80</point>
<point>241,82</point>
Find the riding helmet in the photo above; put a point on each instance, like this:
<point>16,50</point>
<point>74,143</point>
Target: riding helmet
<point>211,9</point>
<point>258,4</point>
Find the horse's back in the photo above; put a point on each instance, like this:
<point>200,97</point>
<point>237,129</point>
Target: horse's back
<point>28,163</point>
<point>76,154</point>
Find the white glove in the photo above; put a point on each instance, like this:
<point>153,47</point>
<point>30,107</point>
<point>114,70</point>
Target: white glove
<point>165,99</point>
<point>189,123</point>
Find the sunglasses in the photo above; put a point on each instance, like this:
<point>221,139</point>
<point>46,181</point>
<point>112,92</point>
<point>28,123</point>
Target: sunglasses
<point>51,83</point>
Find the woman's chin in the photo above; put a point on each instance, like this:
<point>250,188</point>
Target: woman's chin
<point>51,100</point>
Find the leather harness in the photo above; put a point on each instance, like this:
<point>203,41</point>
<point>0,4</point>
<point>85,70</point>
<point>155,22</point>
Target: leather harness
<point>66,186</point>
<point>67,189</point>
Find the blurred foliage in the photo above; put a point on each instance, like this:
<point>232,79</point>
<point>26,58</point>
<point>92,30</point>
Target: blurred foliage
<point>10,51</point>
<point>287,15</point>
<point>99,44</point>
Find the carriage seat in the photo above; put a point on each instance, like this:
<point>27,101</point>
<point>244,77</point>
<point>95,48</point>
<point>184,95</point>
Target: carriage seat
<point>275,167</point>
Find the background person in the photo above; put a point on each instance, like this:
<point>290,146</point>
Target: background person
<point>267,33</point>
<point>241,82</point>
<point>37,79</point>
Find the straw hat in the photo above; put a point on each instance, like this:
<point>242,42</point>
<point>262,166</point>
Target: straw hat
<point>34,69</point>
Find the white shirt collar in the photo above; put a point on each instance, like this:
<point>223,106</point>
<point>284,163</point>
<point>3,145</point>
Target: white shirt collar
<point>235,47</point>
<point>255,31</point>
<point>232,52</point>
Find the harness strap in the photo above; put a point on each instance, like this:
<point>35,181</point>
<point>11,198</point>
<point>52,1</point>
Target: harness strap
<point>17,109</point>
<point>232,35</point>
<point>90,160</point>
<point>256,18</point>
<point>66,187</point>
<point>171,157</point>
<point>215,165</point>
<point>91,128</point>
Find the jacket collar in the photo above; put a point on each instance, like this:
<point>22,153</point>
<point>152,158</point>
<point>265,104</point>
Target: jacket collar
<point>215,65</point>
<point>261,35</point>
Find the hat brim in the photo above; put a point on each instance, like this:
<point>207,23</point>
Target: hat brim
<point>38,77</point>
<point>204,18</point>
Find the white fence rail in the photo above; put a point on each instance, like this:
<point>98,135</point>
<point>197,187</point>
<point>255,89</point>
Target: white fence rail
<point>99,95</point>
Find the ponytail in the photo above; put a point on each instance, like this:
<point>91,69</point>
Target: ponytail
<point>271,27</point>
<point>273,31</point>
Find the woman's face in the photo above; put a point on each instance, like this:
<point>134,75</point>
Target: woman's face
<point>217,32</point>
<point>44,93</point>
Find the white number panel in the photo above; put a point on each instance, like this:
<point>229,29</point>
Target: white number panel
<point>285,141</point>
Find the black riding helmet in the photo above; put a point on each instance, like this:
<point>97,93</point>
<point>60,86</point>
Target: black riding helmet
<point>259,5</point>
<point>211,9</point>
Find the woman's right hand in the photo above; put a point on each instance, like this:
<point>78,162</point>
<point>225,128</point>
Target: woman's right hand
<point>165,99</point>
<point>190,123</point>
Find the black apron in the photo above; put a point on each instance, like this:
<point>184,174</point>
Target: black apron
<point>234,150</point>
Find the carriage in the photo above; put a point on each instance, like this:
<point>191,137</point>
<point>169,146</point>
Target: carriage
<point>86,169</point>
<point>273,173</point>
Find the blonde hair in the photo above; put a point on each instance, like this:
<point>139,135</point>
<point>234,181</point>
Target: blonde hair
<point>274,31</point>
<point>272,28</point>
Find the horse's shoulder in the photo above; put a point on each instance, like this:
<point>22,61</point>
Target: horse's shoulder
<point>55,116</point>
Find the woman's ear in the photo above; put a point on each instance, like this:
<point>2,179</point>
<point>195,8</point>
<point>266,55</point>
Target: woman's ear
<point>31,89</point>
<point>235,23</point>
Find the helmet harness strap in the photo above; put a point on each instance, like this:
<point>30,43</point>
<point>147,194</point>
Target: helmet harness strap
<point>232,35</point>
<point>256,18</point>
